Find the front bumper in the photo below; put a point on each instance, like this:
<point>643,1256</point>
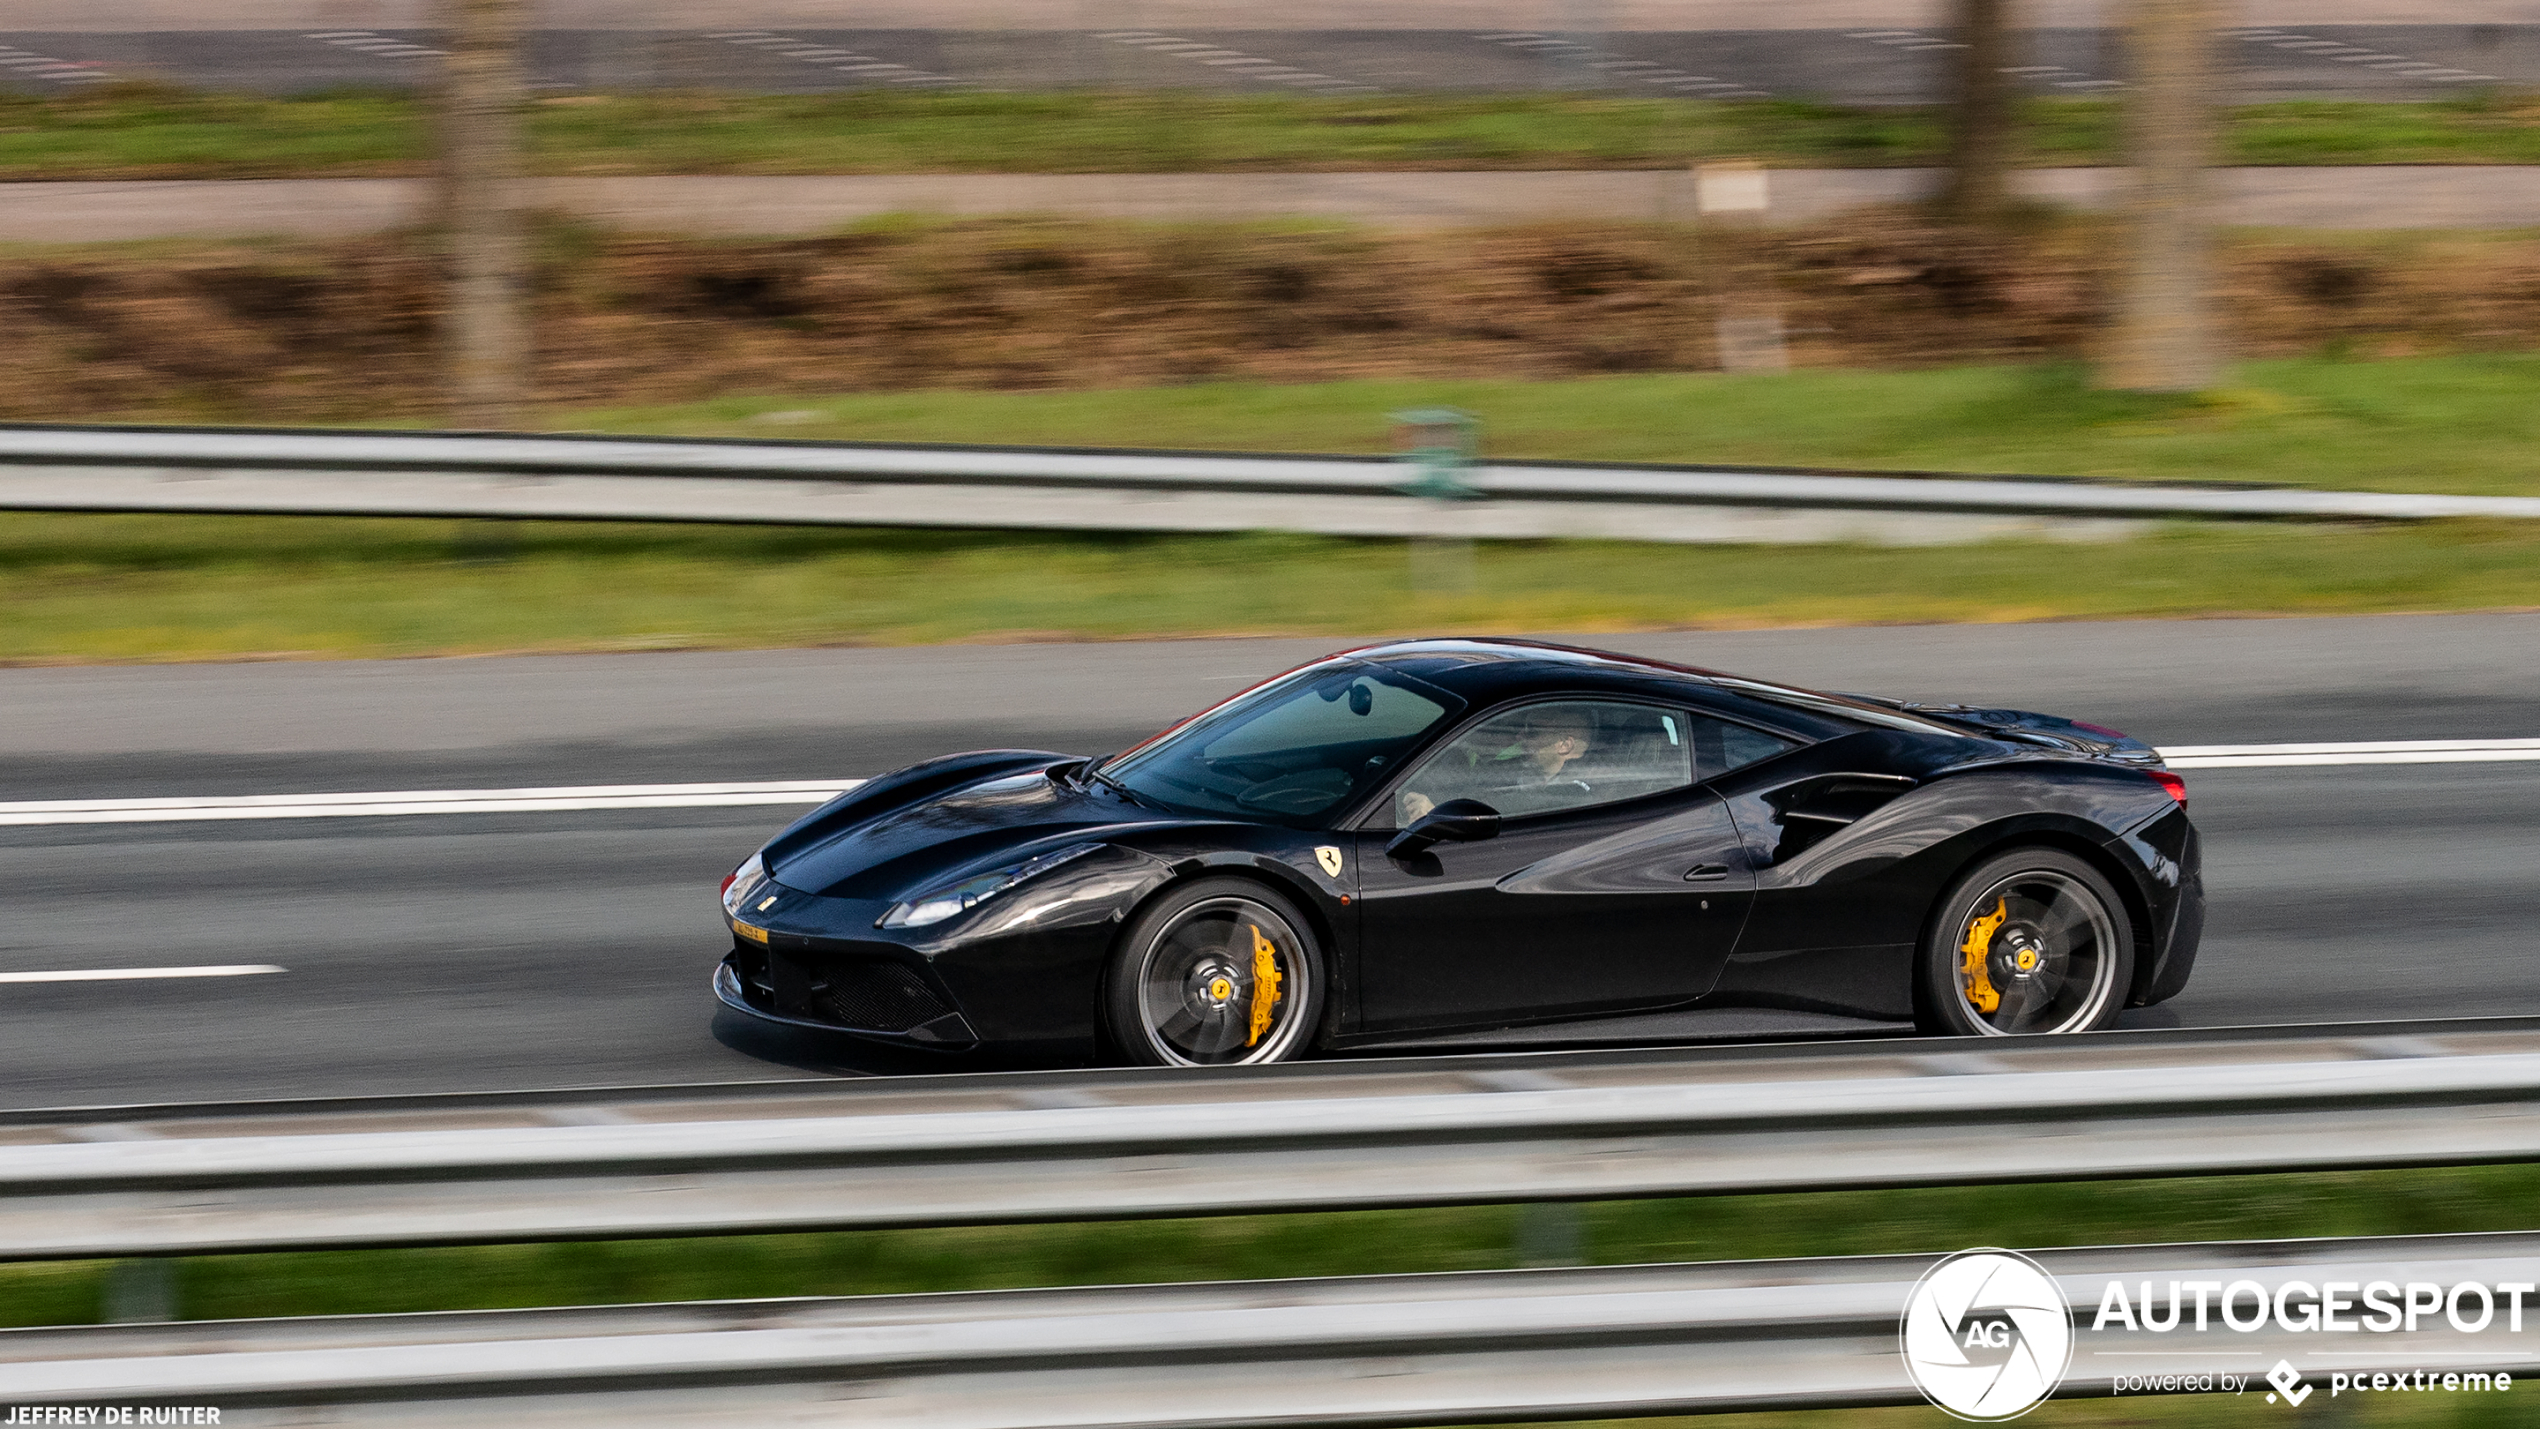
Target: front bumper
<point>1022,973</point>
<point>869,998</point>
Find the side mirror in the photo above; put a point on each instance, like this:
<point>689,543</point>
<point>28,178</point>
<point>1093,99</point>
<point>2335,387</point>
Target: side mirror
<point>1461,821</point>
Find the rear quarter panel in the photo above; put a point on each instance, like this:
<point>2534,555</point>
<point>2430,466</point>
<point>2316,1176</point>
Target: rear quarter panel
<point>1838,915</point>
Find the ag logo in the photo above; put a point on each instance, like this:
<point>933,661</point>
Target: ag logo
<point>1330,858</point>
<point>1987,1335</point>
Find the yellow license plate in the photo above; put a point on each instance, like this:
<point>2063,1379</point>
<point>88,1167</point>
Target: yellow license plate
<point>755,935</point>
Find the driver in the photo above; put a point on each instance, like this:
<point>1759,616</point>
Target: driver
<point>1524,772</point>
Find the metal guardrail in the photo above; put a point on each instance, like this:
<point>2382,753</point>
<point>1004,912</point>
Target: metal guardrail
<point>1409,1349</point>
<point>606,478</point>
<point>979,1149</point>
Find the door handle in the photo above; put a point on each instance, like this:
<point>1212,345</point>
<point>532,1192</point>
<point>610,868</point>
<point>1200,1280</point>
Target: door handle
<point>1705,872</point>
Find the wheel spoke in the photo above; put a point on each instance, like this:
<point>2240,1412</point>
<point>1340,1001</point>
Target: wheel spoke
<point>2055,927</point>
<point>2018,1019</point>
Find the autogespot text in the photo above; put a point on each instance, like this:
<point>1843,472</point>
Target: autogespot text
<point>2365,1307</point>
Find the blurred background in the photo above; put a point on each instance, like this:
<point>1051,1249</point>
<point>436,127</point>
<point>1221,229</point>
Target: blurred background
<point>2285,241</point>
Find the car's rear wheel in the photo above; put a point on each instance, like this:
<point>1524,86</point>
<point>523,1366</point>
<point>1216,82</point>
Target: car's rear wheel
<point>1216,973</point>
<point>2030,941</point>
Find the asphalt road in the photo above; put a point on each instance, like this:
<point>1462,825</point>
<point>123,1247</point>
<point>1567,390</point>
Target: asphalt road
<point>486,952</point>
<point>1882,64</point>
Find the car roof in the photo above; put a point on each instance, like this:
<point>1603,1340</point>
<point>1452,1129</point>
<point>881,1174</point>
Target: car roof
<point>1485,672</point>
<point>1489,670</point>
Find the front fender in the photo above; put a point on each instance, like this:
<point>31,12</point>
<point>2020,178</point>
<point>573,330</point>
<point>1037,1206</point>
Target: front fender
<point>1284,860</point>
<point>1027,968</point>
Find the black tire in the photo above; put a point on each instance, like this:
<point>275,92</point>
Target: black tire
<point>2036,933</point>
<point>1182,991</point>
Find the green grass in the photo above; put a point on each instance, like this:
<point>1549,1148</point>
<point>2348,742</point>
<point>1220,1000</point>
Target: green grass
<point>76,588</point>
<point>2466,425</point>
<point>134,131</point>
<point>142,131</point>
<point>2487,130</point>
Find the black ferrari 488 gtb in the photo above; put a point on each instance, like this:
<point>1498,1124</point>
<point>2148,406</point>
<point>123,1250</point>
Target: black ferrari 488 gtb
<point>1484,843</point>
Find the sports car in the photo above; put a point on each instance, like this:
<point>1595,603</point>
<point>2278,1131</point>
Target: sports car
<point>1484,843</point>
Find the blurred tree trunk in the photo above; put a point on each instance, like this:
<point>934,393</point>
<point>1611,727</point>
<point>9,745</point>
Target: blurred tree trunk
<point>1979,113</point>
<point>2164,339</point>
<point>488,331</point>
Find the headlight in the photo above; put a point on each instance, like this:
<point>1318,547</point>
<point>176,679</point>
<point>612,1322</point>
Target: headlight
<point>742,884</point>
<point>942,903</point>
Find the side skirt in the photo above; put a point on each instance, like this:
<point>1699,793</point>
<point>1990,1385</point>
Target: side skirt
<point>1701,1024</point>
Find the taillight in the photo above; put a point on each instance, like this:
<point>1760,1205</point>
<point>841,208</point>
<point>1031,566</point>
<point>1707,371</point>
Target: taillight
<point>727,881</point>
<point>2176,787</point>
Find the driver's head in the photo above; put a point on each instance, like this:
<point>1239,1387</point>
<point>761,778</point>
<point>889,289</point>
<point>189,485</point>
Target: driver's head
<point>1553,735</point>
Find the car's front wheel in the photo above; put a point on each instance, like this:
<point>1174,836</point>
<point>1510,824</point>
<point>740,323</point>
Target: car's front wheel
<point>1219,972</point>
<point>2030,941</point>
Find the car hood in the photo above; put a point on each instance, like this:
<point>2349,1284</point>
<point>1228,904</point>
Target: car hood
<point>906,850</point>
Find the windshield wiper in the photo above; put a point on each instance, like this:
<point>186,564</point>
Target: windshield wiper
<point>1094,772</point>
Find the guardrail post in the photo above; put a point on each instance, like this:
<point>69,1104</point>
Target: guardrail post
<point>1439,442</point>
<point>1550,1233</point>
<point>140,1290</point>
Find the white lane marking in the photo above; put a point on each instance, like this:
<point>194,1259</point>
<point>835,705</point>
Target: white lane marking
<point>1268,70</point>
<point>130,974</point>
<point>48,67</point>
<point>368,43</point>
<point>183,808</point>
<point>854,63</point>
<point>2056,75</point>
<point>2380,751</point>
<point>36,813</point>
<point>2398,65</point>
<point>1593,58</point>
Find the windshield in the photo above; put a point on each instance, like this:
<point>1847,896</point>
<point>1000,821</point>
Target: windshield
<point>1292,750</point>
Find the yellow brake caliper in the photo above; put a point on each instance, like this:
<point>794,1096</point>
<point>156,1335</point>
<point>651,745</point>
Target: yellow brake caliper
<point>1265,984</point>
<point>1979,983</point>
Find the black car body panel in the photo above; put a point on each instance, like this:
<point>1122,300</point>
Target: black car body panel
<point>1803,878</point>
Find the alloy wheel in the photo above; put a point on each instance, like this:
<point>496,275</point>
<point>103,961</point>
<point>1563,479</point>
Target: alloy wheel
<point>1224,983</point>
<point>2037,952</point>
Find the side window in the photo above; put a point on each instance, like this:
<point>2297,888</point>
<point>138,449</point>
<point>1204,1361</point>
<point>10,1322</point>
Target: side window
<point>1552,757</point>
<point>1724,746</point>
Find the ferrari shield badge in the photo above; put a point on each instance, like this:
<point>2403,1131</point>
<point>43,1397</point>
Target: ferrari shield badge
<point>1330,858</point>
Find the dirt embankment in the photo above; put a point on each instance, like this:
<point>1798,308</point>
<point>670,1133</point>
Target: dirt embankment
<point>346,331</point>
